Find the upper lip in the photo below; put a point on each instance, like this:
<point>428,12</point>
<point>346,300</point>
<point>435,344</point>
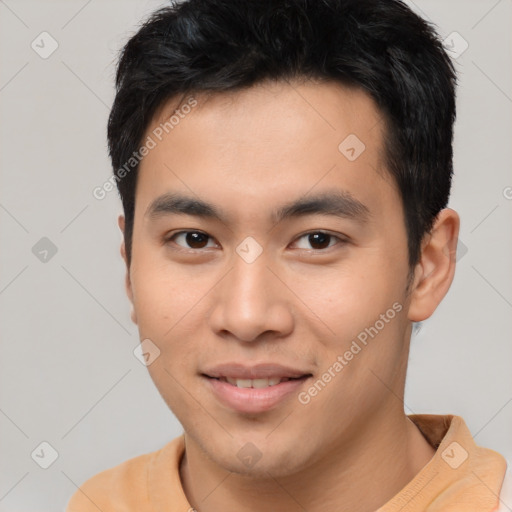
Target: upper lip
<point>258,371</point>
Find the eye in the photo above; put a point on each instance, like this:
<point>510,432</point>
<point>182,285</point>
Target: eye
<point>192,239</point>
<point>196,240</point>
<point>319,240</point>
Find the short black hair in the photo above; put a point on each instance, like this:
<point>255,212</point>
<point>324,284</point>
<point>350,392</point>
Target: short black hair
<point>379,46</point>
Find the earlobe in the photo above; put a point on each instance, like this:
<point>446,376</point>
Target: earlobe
<point>435,271</point>
<point>128,284</point>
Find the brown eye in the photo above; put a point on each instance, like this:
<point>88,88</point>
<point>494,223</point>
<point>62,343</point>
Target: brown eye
<point>192,239</point>
<point>318,240</point>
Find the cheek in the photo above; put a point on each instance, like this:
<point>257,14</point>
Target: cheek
<point>163,293</point>
<point>347,297</point>
<point>359,322</point>
<point>171,304</point>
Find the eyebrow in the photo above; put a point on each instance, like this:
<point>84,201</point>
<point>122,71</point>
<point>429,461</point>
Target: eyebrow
<point>339,204</point>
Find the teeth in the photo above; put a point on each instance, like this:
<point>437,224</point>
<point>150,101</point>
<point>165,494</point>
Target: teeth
<point>256,383</point>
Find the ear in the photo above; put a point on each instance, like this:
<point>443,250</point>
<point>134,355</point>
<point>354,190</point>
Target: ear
<point>128,283</point>
<point>434,272</point>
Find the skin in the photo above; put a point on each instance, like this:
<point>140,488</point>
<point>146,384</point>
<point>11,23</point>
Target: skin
<point>298,304</point>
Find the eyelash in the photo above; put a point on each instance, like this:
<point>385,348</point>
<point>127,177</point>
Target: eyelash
<point>341,241</point>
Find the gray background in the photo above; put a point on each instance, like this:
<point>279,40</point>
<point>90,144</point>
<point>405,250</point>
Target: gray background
<point>68,373</point>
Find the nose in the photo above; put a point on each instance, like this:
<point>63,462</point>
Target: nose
<point>252,302</point>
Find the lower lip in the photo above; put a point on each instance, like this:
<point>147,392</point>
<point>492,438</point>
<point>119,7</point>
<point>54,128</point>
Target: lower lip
<point>254,400</point>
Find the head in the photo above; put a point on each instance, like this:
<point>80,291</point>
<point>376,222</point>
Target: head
<point>287,167</point>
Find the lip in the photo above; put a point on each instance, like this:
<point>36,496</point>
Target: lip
<point>253,400</point>
<point>258,371</point>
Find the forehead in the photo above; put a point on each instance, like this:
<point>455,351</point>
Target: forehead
<point>266,141</point>
<point>326,106</point>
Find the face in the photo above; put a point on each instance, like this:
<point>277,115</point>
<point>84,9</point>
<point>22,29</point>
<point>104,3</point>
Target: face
<point>319,289</point>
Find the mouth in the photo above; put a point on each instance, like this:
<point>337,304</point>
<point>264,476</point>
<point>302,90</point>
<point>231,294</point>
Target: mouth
<point>256,383</point>
<point>254,396</point>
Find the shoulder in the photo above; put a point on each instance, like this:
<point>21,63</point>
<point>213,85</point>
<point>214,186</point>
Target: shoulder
<point>506,489</point>
<point>122,487</point>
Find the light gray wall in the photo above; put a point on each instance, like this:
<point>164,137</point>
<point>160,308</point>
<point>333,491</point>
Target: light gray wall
<point>67,372</point>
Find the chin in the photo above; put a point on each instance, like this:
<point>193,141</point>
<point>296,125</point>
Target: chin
<point>257,457</point>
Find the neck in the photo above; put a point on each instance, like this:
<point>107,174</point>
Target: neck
<point>360,476</point>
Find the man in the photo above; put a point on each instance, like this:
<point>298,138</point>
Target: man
<point>284,168</point>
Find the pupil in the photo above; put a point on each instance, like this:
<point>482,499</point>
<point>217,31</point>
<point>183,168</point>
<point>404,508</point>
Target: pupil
<point>319,238</point>
<point>194,240</point>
